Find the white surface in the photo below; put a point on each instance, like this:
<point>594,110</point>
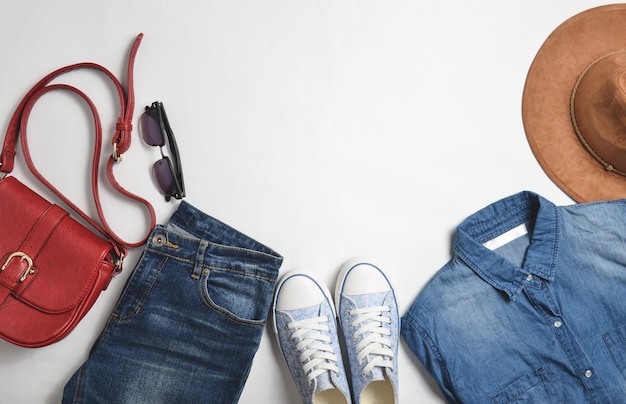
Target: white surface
<point>324,129</point>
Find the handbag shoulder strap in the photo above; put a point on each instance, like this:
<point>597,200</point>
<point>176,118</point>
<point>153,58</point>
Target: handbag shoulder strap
<point>120,142</point>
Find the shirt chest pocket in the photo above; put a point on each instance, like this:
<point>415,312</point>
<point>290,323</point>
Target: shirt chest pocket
<point>616,343</point>
<point>533,387</point>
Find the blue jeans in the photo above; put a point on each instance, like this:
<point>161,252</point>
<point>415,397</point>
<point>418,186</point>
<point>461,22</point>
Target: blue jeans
<point>189,321</point>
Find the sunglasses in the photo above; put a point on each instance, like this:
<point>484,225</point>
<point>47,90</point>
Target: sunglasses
<point>167,173</point>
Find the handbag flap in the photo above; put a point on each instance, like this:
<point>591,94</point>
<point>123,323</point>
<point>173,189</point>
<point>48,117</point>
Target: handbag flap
<point>68,260</point>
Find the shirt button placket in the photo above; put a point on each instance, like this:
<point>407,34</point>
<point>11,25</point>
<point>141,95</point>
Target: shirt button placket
<point>558,324</point>
<point>565,337</point>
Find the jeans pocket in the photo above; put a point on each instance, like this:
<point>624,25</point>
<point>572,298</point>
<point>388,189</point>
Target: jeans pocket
<point>615,341</point>
<point>240,297</point>
<point>533,387</point>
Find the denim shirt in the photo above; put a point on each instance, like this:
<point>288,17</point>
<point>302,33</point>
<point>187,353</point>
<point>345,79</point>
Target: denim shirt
<point>531,308</point>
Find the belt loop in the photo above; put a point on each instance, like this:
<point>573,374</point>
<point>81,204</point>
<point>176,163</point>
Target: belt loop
<point>197,268</point>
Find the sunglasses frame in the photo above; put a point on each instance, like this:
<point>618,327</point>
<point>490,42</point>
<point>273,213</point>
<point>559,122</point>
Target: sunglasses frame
<point>174,160</point>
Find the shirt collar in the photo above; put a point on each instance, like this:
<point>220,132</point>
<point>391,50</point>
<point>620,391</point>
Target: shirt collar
<point>541,219</point>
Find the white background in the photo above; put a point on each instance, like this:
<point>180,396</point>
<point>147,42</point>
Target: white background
<point>324,129</point>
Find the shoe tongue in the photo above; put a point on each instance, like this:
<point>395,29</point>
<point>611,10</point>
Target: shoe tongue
<point>306,312</point>
<point>376,374</point>
<point>310,312</point>
<point>369,299</point>
<point>324,382</point>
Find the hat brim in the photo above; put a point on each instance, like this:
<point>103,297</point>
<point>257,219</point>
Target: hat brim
<point>545,104</point>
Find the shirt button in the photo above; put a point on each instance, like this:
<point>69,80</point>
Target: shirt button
<point>588,373</point>
<point>558,324</point>
<point>529,278</point>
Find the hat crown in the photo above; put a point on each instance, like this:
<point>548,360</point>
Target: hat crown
<point>577,134</point>
<point>598,110</point>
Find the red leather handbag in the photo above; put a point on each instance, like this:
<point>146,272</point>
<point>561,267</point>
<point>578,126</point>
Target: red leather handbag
<point>53,268</point>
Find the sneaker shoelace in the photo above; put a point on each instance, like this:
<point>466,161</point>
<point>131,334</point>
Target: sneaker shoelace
<point>375,346</point>
<point>317,356</point>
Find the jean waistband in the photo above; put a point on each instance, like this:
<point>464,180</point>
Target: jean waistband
<point>195,236</point>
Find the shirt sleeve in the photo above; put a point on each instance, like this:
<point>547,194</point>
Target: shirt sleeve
<point>423,346</point>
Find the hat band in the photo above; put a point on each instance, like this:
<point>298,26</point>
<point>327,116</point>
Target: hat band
<point>607,166</point>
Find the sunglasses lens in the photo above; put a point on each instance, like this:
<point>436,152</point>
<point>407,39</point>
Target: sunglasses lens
<point>163,175</point>
<point>151,128</point>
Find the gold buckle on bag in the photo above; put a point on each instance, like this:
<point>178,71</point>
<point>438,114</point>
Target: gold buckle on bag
<point>23,257</point>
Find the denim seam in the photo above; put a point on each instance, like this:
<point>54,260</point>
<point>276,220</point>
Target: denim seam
<point>274,256</point>
<point>244,273</point>
<point>188,261</point>
<point>198,265</point>
<point>540,377</point>
<point>557,241</point>
<point>144,296</point>
<point>485,226</point>
<point>563,343</point>
<point>159,252</point>
<point>79,387</point>
<point>252,252</point>
<point>511,292</point>
<point>245,250</point>
<point>429,341</point>
<point>520,391</point>
<point>204,293</point>
<point>591,203</point>
<point>612,343</point>
<point>243,382</point>
<point>546,377</point>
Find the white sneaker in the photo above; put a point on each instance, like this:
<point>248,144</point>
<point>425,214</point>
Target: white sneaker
<point>306,329</point>
<point>369,320</point>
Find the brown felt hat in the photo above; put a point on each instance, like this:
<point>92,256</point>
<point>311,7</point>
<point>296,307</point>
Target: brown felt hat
<point>574,105</point>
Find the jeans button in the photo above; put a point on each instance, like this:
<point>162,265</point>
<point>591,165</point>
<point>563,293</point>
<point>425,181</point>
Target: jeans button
<point>159,240</point>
